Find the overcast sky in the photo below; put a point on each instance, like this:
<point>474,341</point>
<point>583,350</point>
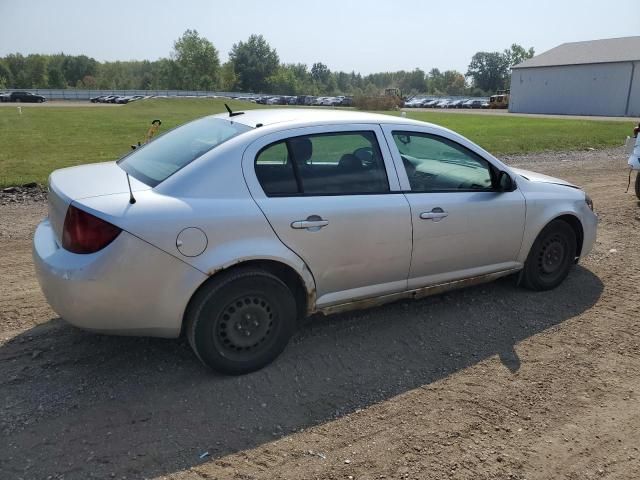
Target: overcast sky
<point>365,36</point>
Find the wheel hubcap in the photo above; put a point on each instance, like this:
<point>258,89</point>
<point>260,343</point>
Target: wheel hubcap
<point>244,324</point>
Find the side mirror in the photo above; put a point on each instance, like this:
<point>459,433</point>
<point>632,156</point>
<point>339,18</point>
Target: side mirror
<point>505,182</point>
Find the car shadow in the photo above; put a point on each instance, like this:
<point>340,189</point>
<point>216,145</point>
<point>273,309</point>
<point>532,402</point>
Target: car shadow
<point>79,405</point>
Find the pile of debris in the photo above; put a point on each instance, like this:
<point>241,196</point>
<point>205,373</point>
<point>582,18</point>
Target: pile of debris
<point>27,193</point>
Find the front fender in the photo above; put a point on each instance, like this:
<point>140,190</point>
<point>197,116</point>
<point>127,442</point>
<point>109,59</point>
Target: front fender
<point>549,202</point>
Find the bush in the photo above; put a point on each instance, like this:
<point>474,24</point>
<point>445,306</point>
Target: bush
<point>364,102</point>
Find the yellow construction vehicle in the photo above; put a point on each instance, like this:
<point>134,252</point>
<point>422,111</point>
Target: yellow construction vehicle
<point>500,99</point>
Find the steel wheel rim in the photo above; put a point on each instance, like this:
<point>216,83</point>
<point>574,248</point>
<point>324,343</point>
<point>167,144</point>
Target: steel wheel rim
<point>552,256</point>
<point>244,326</point>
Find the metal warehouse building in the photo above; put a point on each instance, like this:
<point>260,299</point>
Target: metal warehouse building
<point>599,77</point>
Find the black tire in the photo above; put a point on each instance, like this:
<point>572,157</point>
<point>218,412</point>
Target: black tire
<point>638,185</point>
<point>225,314</point>
<point>551,257</point>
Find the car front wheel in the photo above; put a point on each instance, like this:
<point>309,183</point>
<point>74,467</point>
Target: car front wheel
<point>551,257</point>
<point>241,321</point>
<point>638,185</point>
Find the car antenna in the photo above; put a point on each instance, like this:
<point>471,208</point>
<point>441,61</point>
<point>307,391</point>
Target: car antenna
<point>232,114</point>
<point>132,200</point>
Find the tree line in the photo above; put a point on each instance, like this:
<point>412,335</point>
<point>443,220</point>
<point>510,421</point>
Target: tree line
<point>253,67</point>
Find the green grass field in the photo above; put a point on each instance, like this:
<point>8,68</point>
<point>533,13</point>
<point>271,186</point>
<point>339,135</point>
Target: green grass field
<point>43,139</point>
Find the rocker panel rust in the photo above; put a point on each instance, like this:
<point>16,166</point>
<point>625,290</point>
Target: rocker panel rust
<point>415,294</point>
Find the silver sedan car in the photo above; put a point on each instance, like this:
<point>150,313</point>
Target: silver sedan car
<point>231,228</point>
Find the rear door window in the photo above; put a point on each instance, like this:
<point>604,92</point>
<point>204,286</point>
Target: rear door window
<point>345,163</point>
<point>274,170</point>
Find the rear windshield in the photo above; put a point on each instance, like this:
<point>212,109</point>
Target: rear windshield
<point>164,156</point>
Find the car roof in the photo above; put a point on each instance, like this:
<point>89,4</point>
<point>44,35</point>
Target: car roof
<point>312,116</point>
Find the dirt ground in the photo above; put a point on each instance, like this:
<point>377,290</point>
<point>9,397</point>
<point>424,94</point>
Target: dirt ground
<point>492,382</point>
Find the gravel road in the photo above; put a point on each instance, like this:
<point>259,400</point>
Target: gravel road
<point>491,382</point>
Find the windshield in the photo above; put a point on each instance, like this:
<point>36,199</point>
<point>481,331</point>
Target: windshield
<point>164,156</point>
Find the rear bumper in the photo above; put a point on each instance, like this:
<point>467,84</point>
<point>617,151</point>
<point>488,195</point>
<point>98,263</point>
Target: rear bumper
<point>128,288</point>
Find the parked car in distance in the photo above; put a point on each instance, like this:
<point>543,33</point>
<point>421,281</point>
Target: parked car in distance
<point>23,97</point>
<point>233,228</point>
<point>338,101</point>
<point>430,103</point>
<point>415,102</point>
<point>304,100</point>
<point>347,101</point>
<point>109,99</point>
<point>474,103</point>
<point>124,99</point>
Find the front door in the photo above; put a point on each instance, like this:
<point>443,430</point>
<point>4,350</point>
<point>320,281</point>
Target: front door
<point>332,196</point>
<point>462,225</point>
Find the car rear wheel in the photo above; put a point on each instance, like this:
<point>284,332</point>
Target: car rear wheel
<point>241,321</point>
<point>551,257</point>
<point>638,185</point>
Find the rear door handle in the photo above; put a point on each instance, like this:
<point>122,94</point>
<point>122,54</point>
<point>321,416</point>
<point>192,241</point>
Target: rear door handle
<point>312,223</point>
<point>435,214</point>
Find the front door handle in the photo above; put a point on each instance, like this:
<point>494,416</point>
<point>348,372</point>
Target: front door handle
<point>435,214</point>
<point>312,223</point>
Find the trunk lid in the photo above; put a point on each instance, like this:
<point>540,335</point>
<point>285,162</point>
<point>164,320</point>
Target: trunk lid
<point>85,181</point>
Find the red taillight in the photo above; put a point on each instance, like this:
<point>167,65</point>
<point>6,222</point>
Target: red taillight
<point>84,233</point>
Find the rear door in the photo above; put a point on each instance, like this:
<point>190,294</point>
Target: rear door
<point>332,196</point>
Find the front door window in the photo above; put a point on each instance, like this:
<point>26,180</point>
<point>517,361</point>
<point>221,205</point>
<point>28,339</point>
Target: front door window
<point>436,164</point>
